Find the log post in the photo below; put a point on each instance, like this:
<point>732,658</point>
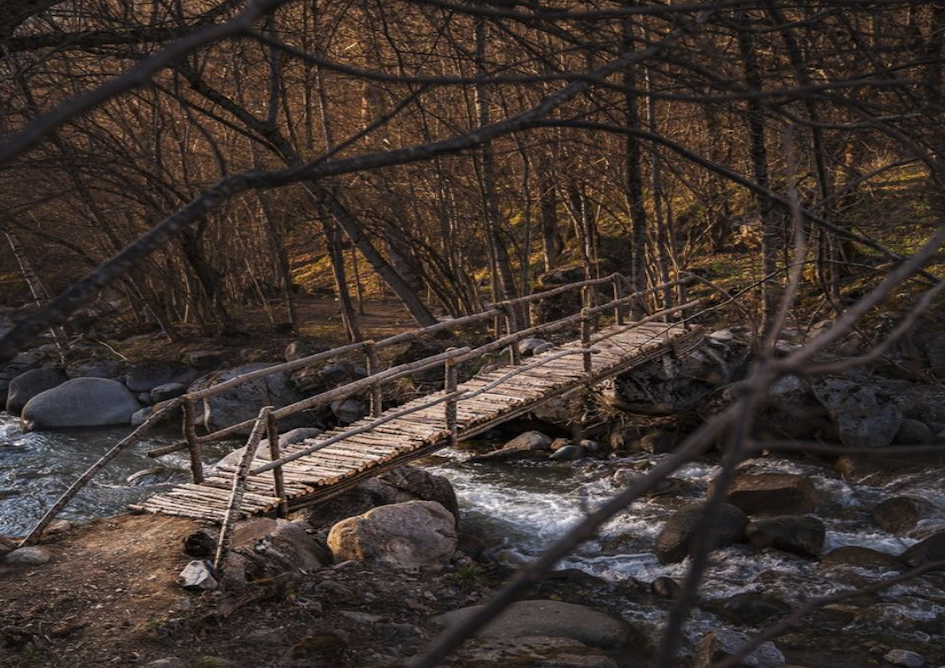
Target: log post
<point>193,443</point>
<point>275,453</point>
<point>238,489</point>
<point>511,325</point>
<point>586,342</point>
<point>373,366</point>
<point>618,295</point>
<point>451,382</point>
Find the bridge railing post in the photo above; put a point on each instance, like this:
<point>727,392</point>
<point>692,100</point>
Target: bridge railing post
<point>451,382</point>
<point>511,326</point>
<point>193,443</point>
<point>275,453</point>
<point>586,342</point>
<point>373,366</point>
<point>618,295</point>
<point>239,489</point>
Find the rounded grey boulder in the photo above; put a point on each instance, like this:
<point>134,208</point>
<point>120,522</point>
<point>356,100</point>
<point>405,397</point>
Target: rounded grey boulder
<point>81,402</point>
<point>27,385</point>
<point>675,541</point>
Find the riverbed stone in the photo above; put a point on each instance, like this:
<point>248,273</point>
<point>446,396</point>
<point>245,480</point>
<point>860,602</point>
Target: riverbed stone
<point>28,556</point>
<point>145,377</point>
<point>914,432</point>
<point>899,514</point>
<point>166,392</point>
<point>861,557</point>
<point>349,410</point>
<point>23,362</point>
<point>279,546</point>
<point>197,576</point>
<point>772,494</point>
<point>753,608</point>
<point>904,658</point>
<point>926,551</point>
<point>408,536</point>
<point>27,385</point>
<point>866,417</point>
<point>674,542</point>
<point>81,402</point>
<point>530,440</point>
<point>721,644</point>
<point>243,402</point>
<point>555,619</point>
<point>802,535</point>
<point>568,453</point>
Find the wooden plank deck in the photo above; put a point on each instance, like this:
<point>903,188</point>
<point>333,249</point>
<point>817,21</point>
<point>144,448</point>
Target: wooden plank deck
<point>331,470</point>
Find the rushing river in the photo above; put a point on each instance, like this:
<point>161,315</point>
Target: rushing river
<point>520,508</point>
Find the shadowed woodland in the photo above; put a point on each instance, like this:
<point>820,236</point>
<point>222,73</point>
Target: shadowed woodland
<point>202,166</point>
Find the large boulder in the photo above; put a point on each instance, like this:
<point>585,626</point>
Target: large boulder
<point>243,402</point>
<point>20,364</point>
<point>800,535</point>
<point>409,536</point>
<point>857,556</point>
<point>27,385</point>
<point>555,619</point>
<point>865,416</point>
<point>146,377</point>
<point>772,494</point>
<point>529,445</point>
<point>274,546</point>
<point>926,551</point>
<point>81,402</point>
<point>675,540</point>
<point>402,484</point>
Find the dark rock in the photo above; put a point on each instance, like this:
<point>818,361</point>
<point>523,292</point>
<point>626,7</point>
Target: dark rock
<point>866,417</point>
<point>349,410</point>
<point>95,369</point>
<point>753,609</point>
<point>146,377</point>
<point>904,658</point>
<point>772,494</point>
<point>300,349</point>
<point>913,432</point>
<point>659,441</point>
<point>27,556</point>
<point>530,440</point>
<point>861,557</point>
<point>139,417</point>
<point>275,547</point>
<point>935,354</point>
<point>205,359</point>
<point>667,588</point>
<point>529,347</point>
<point>27,385</point>
<point>320,649</point>
<point>719,645</point>
<point>243,402</point>
<point>167,392</point>
<point>81,402</point>
<point>404,483</point>
<point>899,514</point>
<point>23,362</point>
<point>674,542</point>
<point>926,551</point>
<point>201,544</point>
<point>552,619</point>
<point>801,535</point>
<point>7,545</point>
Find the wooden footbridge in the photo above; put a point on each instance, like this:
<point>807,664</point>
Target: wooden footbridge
<point>306,473</point>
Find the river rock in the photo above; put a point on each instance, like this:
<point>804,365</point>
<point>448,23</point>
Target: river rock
<point>935,354</point>
<point>27,385</point>
<point>290,437</point>
<point>94,369</point>
<point>298,350</point>
<point>530,440</point>
<point>7,545</point>
<point>861,557</point>
<point>146,377</point>
<point>561,411</point>
<point>402,484</point>
<point>914,432</point>
<point>798,534</point>
<point>554,619</point>
<point>753,609</point>
<point>674,542</point>
<point>28,556</point>
<point>409,536</point>
<point>23,362</point>
<point>718,645</point>
<point>529,651</point>
<point>81,402</point>
<point>140,416</point>
<point>866,417</point>
<point>905,658</point>
<point>772,494</point>
<point>529,347</point>
<point>899,514</point>
<point>166,392</point>
<point>928,550</point>
<point>349,410</point>
<point>568,453</point>
<point>244,401</point>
